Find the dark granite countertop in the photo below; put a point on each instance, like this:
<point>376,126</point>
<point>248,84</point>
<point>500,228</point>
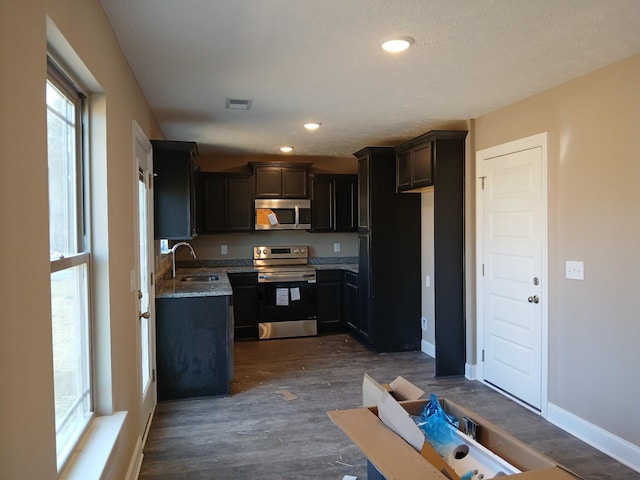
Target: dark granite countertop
<point>352,267</point>
<point>175,288</point>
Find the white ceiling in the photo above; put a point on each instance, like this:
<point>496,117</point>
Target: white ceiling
<point>320,60</point>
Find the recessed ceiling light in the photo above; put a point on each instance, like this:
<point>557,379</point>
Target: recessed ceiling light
<point>311,126</point>
<point>396,45</point>
<point>286,149</point>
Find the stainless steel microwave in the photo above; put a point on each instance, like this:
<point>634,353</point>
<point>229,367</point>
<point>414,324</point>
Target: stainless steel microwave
<point>283,214</point>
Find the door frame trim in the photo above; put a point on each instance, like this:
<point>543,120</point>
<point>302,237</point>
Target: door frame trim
<point>534,141</point>
<point>140,140</point>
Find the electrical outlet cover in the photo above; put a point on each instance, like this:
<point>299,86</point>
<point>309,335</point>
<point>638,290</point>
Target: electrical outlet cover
<point>574,270</point>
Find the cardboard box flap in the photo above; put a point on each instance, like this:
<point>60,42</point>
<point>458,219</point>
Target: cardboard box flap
<point>393,459</point>
<point>400,388</point>
<point>372,391</point>
<point>405,390</point>
<point>397,419</point>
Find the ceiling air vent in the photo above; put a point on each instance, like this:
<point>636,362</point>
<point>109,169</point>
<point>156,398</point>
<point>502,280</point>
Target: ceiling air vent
<point>237,104</point>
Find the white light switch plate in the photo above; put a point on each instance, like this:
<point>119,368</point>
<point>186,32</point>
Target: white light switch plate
<point>574,270</point>
<point>223,249</point>
<point>336,247</point>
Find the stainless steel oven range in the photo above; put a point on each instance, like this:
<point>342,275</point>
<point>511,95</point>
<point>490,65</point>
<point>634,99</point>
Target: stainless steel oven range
<point>286,292</point>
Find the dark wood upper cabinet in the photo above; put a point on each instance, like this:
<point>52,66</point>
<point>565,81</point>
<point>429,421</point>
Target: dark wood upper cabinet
<point>414,164</point>
<point>364,159</point>
<point>281,180</point>
<point>225,202</point>
<point>403,170</point>
<point>174,189</point>
<point>334,199</point>
<point>422,166</point>
<point>295,182</point>
<point>268,182</point>
<point>240,208</point>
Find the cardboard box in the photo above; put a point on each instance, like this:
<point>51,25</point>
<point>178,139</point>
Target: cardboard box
<point>395,459</point>
<point>399,388</point>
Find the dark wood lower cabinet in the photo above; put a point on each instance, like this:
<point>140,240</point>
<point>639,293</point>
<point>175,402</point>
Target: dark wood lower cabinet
<point>245,304</point>
<point>194,347</point>
<point>351,301</point>
<point>329,297</point>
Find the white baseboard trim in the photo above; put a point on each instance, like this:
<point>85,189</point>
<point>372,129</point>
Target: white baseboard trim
<point>136,461</point>
<point>135,465</point>
<point>469,371</point>
<point>428,348</point>
<point>614,446</point>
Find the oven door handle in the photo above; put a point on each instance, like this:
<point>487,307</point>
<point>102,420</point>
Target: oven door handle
<point>305,278</point>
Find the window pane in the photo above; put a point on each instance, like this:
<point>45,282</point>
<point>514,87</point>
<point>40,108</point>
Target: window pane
<point>70,276</point>
<point>64,228</point>
<point>69,301</point>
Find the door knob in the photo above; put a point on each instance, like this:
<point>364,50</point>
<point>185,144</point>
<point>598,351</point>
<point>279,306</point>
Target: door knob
<point>534,299</point>
<point>145,315</point>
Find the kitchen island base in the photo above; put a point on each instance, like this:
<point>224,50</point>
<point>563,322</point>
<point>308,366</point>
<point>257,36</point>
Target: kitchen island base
<point>194,339</point>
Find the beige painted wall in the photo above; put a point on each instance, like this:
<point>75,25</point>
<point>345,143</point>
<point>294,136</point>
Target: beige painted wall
<point>221,163</point>
<point>240,245</point>
<point>26,416</point>
<point>427,267</point>
<point>594,216</point>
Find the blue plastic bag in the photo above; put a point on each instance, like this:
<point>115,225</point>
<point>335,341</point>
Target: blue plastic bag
<point>437,425</point>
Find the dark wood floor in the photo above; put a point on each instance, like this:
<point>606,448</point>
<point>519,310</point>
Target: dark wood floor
<point>257,434</point>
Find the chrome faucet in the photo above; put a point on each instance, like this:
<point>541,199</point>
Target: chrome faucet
<point>173,255</point>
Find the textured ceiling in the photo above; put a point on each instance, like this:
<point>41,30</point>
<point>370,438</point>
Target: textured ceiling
<point>320,60</point>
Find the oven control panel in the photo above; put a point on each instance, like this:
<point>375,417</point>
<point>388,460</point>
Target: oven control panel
<point>297,251</point>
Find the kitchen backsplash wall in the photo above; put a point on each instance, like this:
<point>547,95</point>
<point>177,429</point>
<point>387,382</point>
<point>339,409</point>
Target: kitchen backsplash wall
<point>240,245</point>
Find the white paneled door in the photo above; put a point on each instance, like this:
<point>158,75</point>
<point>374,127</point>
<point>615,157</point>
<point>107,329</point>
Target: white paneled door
<point>512,269</point>
<point>146,314</point>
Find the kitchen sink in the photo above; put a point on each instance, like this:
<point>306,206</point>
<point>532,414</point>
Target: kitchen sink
<point>200,278</point>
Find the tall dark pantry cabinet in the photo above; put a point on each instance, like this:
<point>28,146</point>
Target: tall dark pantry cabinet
<point>389,256</point>
<point>436,160</point>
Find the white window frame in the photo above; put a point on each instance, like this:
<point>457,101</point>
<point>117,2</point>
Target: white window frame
<point>70,260</point>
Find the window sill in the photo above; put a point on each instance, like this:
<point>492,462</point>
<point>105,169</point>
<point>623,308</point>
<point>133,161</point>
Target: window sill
<point>91,457</point>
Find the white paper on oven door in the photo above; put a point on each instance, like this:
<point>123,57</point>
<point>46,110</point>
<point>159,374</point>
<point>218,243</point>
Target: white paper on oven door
<point>273,218</point>
<point>282,297</point>
<point>295,294</point>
